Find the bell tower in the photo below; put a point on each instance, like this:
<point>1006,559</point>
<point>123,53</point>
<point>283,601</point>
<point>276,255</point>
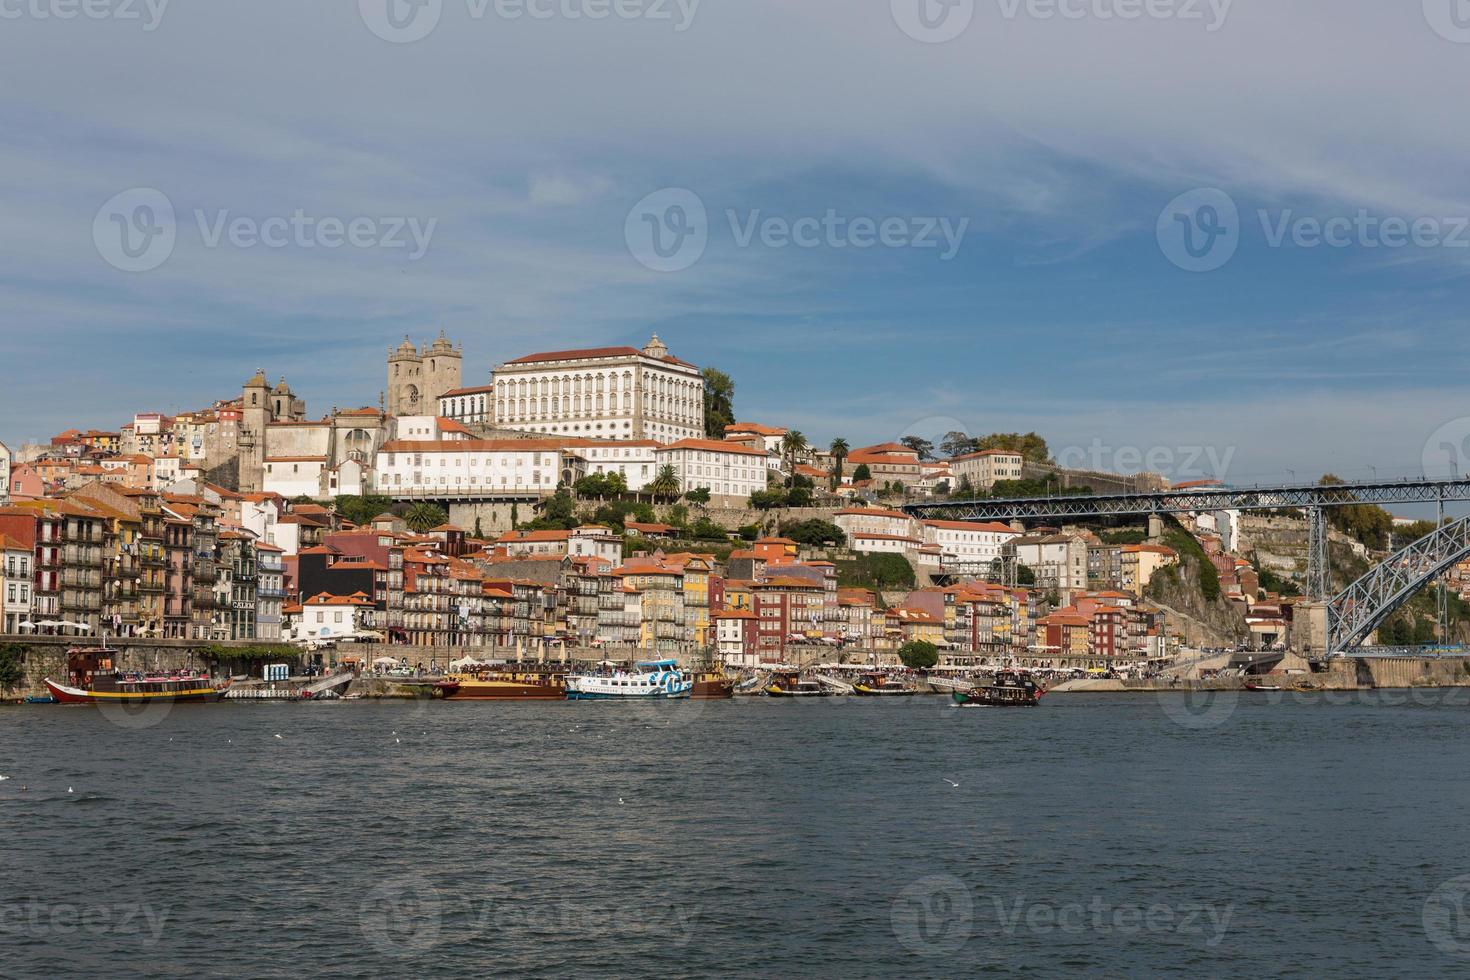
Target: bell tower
<point>405,380</point>
<point>255,414</point>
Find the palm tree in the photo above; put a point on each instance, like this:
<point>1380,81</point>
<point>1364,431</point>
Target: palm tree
<point>425,517</point>
<point>665,485</point>
<point>839,451</point>
<point>793,444</point>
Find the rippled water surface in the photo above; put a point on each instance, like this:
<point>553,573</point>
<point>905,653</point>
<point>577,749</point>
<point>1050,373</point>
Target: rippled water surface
<point>1296,835</point>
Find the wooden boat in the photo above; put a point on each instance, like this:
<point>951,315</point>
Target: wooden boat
<point>1006,690</point>
<point>504,685</point>
<point>790,684</point>
<point>93,679</point>
<point>876,684</point>
<point>40,699</point>
<point>712,685</point>
<point>1253,686</point>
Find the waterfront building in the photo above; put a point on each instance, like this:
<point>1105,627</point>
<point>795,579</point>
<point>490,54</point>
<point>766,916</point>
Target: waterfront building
<point>15,583</point>
<point>270,590</point>
<point>985,468</point>
<point>1140,561</point>
<point>730,471</point>
<point>967,546</point>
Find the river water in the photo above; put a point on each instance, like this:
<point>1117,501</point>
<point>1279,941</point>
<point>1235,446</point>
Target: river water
<point>1254,834</point>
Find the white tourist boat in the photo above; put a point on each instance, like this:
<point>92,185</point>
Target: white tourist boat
<point>651,679</point>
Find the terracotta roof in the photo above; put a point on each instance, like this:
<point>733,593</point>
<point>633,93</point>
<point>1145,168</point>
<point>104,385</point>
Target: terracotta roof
<point>714,445</point>
<point>482,390</point>
<point>994,527</point>
<point>592,353</point>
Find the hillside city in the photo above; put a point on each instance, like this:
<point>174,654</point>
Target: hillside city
<point>605,498</point>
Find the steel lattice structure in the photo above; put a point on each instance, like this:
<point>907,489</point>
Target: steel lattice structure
<point>1362,607</point>
<point>1196,501</point>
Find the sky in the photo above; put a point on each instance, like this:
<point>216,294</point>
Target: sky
<point>1229,239</point>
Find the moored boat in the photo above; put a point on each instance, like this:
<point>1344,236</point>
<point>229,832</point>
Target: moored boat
<point>1006,690</point>
<point>876,684</point>
<point>790,684</point>
<point>92,678</point>
<point>712,685</point>
<point>653,679</point>
<point>504,685</point>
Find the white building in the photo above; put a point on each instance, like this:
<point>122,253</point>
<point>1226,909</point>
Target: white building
<point>331,616</point>
<point>986,467</point>
<point>4,473</point>
<point>867,542</point>
<point>1059,560</point>
<point>968,543</point>
<point>15,584</point>
<point>469,406</point>
<point>870,520</point>
<point>469,467</point>
<point>294,476</point>
<point>729,469</point>
<point>633,459</point>
<point>596,541</point>
<point>602,393</point>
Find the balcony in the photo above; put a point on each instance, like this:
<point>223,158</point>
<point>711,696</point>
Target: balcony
<point>82,557</point>
<point>83,601</point>
<point>81,579</point>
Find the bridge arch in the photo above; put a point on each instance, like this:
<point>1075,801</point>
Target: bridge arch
<point>1355,612</point>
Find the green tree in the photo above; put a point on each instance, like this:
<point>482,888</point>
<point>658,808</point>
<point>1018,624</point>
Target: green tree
<point>799,497</point>
<point>793,444</point>
<point>592,486</point>
<point>361,510</point>
<point>425,517</point>
<point>1370,524</point>
<point>719,402</point>
<point>558,513</point>
<point>918,654</point>
<point>923,447</point>
<point>699,496</point>
<point>839,450</point>
<point>813,532</point>
<point>861,473</point>
<point>966,489</point>
<point>617,484</point>
<point>479,529</point>
<point>956,444</point>
<point>1031,446</point>
<point>768,499</point>
<point>665,485</point>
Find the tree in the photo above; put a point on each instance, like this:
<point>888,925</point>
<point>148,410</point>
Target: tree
<point>699,496</point>
<point>918,654</point>
<point>361,510</point>
<point>665,485</point>
<point>479,530</point>
<point>719,402</point>
<point>617,484</point>
<point>923,447</point>
<point>813,532</point>
<point>558,513</point>
<point>793,444</point>
<point>799,497</point>
<point>861,473</point>
<point>425,517</point>
<point>839,450</point>
<point>590,486</point>
<point>956,444</point>
<point>1370,524</point>
<point>767,499</point>
<point>1031,446</point>
<point>966,489</point>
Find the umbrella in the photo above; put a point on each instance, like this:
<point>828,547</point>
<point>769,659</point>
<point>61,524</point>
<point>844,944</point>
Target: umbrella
<point>385,660</point>
<point>369,635</point>
<point>51,623</point>
<point>26,625</point>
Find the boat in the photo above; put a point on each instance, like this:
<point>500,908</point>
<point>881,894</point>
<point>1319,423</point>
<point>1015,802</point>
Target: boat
<point>653,679</point>
<point>1007,690</point>
<point>1253,686</point>
<point>92,678</point>
<point>504,685</point>
<point>712,685</point>
<point>876,684</point>
<point>790,684</point>
<point>40,699</point>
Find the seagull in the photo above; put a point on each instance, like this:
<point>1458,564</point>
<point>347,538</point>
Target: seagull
<point>68,789</point>
<point>280,737</point>
<point>3,778</point>
<point>398,741</point>
<point>620,801</point>
<point>950,781</point>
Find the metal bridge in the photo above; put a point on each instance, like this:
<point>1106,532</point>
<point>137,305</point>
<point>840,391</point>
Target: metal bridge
<point>1353,614</point>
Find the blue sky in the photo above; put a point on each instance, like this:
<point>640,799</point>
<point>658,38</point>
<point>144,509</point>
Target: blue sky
<point>1057,143</point>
